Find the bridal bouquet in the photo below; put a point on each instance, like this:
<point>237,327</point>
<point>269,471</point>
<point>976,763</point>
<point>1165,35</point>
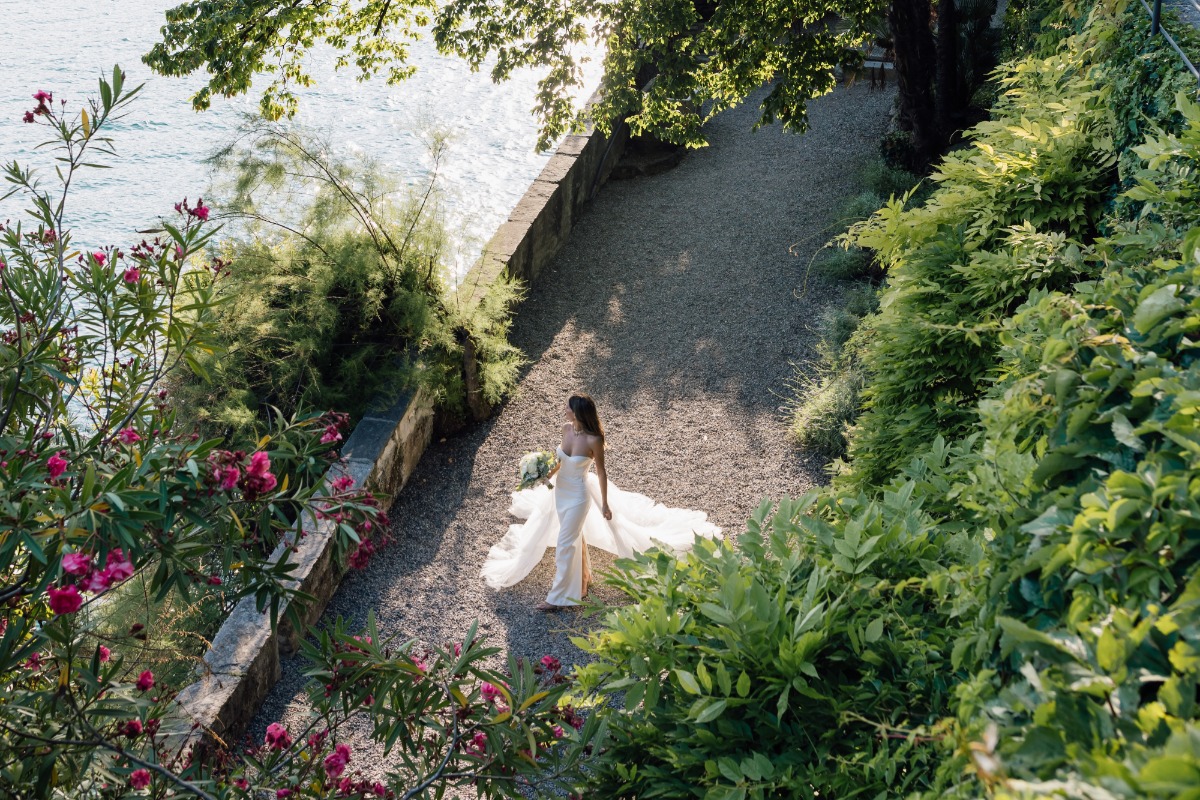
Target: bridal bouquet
<point>534,468</point>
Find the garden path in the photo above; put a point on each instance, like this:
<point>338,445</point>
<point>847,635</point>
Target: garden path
<point>679,305</point>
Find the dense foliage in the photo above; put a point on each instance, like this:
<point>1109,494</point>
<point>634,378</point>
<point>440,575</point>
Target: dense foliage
<point>1015,612</point>
<point>102,488</point>
<point>339,298</point>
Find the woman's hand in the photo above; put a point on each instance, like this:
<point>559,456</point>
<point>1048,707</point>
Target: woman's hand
<point>606,511</point>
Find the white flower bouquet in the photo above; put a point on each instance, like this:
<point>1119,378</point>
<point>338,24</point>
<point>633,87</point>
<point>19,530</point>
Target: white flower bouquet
<point>534,468</point>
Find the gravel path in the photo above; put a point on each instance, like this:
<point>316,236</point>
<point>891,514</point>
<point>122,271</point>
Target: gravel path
<point>677,305</point>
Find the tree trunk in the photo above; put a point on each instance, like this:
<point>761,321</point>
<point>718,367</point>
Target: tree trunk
<point>947,66</point>
<point>916,58</point>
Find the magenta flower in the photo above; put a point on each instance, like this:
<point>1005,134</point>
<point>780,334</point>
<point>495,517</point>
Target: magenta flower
<point>129,436</point>
<point>56,465</point>
<point>105,654</point>
<point>478,744</point>
<point>118,567</point>
<point>132,275</point>
<point>332,434</point>
<point>551,663</point>
<point>99,257</point>
<point>28,116</point>
<point>98,581</point>
<point>280,794</point>
<point>77,563</point>
<point>226,477</point>
<point>133,728</point>
<point>65,601</point>
<point>277,737</point>
<point>140,778</point>
<point>258,475</point>
<point>145,681</point>
<point>335,762</point>
<point>342,483</point>
<point>489,692</point>
<point>558,732</point>
<point>200,212</point>
<point>43,96</point>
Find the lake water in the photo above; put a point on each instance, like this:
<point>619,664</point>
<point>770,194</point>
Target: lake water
<point>65,45</point>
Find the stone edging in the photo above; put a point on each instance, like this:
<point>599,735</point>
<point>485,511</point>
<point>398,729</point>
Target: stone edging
<point>243,663</point>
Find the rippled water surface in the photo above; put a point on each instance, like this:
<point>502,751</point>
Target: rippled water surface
<point>63,46</point>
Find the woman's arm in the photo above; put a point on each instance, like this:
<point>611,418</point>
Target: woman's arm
<point>598,455</point>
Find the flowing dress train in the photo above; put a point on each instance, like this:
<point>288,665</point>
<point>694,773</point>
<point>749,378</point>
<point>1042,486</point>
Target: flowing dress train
<point>563,517</point>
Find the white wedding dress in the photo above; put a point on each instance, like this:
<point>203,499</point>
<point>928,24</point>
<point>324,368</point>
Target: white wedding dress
<point>568,517</point>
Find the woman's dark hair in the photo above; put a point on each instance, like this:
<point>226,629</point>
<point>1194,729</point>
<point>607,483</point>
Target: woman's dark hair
<point>584,409</point>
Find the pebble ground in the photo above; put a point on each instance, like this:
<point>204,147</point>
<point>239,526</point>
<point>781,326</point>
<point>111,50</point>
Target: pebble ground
<point>681,303</point>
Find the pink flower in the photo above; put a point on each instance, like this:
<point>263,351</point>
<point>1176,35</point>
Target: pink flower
<point>133,728</point>
<point>378,789</point>
<point>129,436</point>
<point>282,793</point>
<point>489,692</point>
<point>277,737</point>
<point>335,762</point>
<point>140,778</point>
<point>98,581</point>
<point>118,567</point>
<point>551,663</point>
<point>332,434</point>
<point>65,601</point>
<point>258,475</point>
<point>241,783</point>
<point>558,732</point>
<point>227,477</point>
<point>56,465</point>
<point>457,649</point>
<point>214,580</point>
<point>200,212</point>
<point>105,654</point>
<point>77,563</point>
<point>28,116</point>
<point>99,257</point>
<point>43,96</point>
<point>132,275</point>
<point>478,744</point>
<point>342,483</point>
<point>420,665</point>
<point>361,555</point>
<point>145,681</point>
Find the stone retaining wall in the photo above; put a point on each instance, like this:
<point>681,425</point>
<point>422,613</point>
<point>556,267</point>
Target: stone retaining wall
<point>381,454</point>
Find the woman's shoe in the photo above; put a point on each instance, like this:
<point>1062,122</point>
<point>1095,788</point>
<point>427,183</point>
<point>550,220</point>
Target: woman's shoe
<point>548,608</point>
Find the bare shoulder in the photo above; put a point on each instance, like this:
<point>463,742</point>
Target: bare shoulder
<point>595,443</point>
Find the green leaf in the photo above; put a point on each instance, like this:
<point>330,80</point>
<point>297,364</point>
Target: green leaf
<point>874,630</point>
<point>743,684</point>
<point>687,681</point>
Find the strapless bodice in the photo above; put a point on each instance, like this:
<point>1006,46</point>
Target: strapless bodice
<point>570,484</point>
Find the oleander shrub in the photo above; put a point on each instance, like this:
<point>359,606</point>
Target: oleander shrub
<point>115,516</point>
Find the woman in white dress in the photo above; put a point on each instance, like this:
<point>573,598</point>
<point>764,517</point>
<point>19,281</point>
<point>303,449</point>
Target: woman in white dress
<point>561,516</point>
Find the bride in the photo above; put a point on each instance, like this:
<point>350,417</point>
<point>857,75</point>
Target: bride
<point>561,516</point>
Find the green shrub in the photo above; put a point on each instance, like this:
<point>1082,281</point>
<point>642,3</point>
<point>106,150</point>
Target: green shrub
<point>782,665</point>
<point>1006,219</point>
<point>335,292</point>
<point>886,182</point>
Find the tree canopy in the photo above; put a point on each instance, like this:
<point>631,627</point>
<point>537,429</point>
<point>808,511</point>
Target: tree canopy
<point>705,56</point>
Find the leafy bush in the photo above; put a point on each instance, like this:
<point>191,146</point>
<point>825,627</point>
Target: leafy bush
<point>792,663</point>
<point>1006,219</point>
<point>340,304</point>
